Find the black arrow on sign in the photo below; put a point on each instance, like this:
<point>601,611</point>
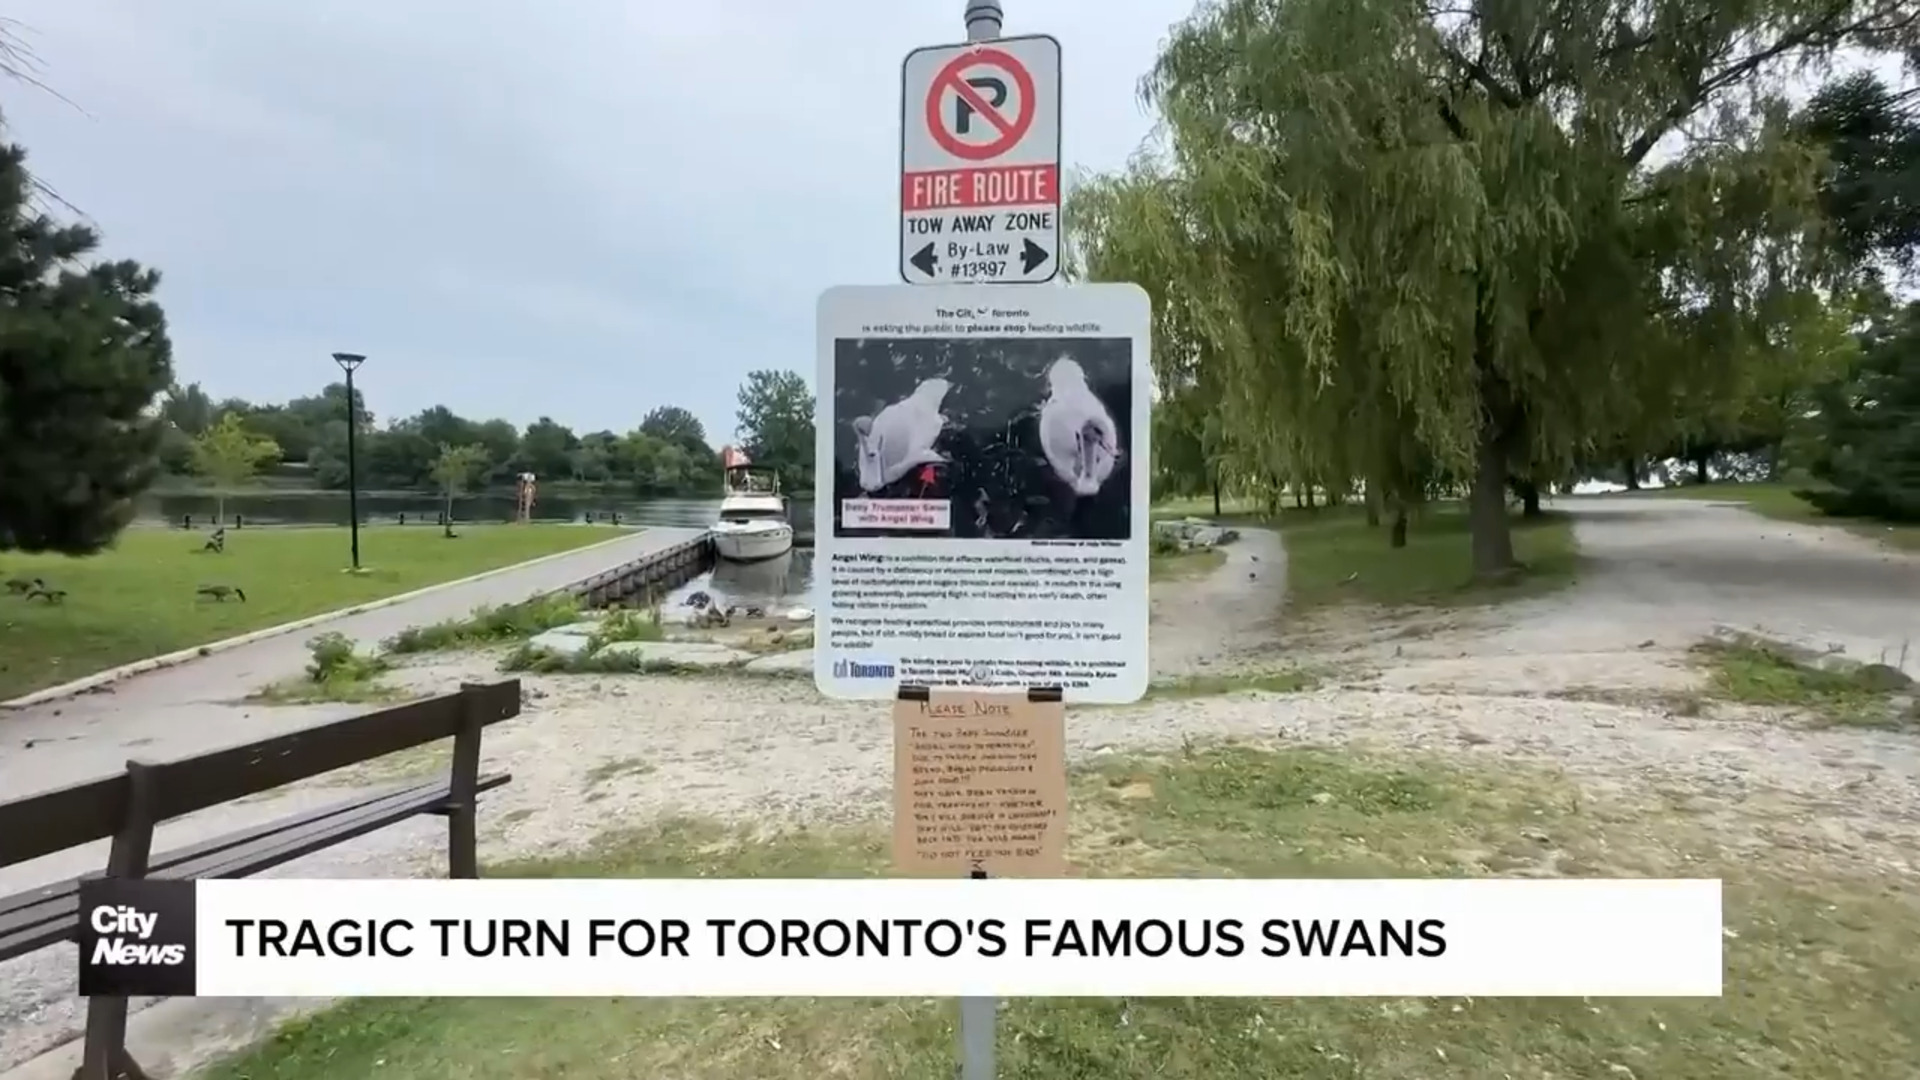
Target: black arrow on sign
<point>924,260</point>
<point>1031,256</point>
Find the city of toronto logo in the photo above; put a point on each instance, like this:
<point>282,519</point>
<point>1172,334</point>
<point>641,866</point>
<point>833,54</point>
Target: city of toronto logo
<point>861,669</point>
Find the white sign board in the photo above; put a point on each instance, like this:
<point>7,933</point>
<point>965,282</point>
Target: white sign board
<point>981,501</point>
<point>980,163</point>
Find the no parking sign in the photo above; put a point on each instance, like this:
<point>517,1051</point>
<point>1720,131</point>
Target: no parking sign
<point>980,163</point>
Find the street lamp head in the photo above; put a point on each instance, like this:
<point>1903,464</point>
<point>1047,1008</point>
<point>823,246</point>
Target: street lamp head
<point>348,361</point>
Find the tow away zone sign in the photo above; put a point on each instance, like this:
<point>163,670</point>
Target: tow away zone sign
<point>980,163</point>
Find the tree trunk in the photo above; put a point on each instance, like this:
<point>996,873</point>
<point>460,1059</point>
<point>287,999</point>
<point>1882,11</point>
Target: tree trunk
<point>1633,474</point>
<point>1310,505</point>
<point>1298,500</point>
<point>1216,497</point>
<point>447,521</point>
<point>219,511</point>
<point>1373,505</point>
<point>1700,469</point>
<point>1399,536</point>
<point>1529,499</point>
<point>1487,504</point>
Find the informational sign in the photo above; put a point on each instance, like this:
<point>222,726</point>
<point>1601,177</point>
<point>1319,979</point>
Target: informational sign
<point>981,495</point>
<point>979,784</point>
<point>980,163</point>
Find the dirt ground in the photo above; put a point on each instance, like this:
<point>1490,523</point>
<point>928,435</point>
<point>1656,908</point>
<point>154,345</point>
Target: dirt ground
<point>1514,683</point>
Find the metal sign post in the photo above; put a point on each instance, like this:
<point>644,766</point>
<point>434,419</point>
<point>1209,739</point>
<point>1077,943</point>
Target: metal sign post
<point>980,1016</point>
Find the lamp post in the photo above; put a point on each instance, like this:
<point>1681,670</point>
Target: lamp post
<point>348,362</point>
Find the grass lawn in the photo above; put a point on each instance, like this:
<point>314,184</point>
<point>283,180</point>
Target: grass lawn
<point>1185,565</point>
<point>138,598</point>
<point>1231,509</point>
<point>1334,556</point>
<point>1822,968</point>
<point>1778,501</point>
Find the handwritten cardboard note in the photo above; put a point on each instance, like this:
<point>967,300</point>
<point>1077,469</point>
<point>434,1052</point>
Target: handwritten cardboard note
<point>979,782</point>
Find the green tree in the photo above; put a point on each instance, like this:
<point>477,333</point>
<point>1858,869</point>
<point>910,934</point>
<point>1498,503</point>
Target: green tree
<point>228,455</point>
<point>1871,132</point>
<point>1424,240</point>
<point>1870,429</point>
<point>776,425</point>
<point>673,424</point>
<point>546,449</point>
<point>454,469</point>
<point>187,408</point>
<point>84,354</point>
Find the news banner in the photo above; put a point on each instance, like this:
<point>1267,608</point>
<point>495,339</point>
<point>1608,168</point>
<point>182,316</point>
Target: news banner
<point>909,938</point>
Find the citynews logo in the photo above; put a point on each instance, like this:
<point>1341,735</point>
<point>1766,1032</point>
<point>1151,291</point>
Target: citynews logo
<point>136,938</point>
<point>122,950</point>
<point>855,669</point>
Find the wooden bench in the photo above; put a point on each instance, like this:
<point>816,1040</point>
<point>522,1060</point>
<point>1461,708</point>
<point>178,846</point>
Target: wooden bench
<point>128,806</point>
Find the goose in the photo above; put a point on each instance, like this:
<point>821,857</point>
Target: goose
<point>901,437</point>
<point>1076,431</point>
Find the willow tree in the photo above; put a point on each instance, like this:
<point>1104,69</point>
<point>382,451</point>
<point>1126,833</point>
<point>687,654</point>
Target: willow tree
<point>1441,235</point>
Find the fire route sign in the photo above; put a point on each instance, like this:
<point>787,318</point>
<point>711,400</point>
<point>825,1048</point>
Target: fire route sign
<point>980,163</point>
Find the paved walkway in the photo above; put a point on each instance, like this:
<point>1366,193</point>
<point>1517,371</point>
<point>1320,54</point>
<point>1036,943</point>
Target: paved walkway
<point>196,706</point>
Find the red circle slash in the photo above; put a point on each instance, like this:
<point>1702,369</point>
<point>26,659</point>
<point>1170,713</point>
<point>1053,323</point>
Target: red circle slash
<point>1011,130</point>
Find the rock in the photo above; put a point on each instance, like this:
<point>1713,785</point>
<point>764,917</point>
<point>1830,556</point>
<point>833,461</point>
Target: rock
<point>562,642</point>
<point>797,660</point>
<point>1884,678</point>
<point>585,627</point>
<point>699,654</point>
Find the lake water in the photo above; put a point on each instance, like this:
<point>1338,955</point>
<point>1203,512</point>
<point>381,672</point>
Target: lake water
<point>776,584</point>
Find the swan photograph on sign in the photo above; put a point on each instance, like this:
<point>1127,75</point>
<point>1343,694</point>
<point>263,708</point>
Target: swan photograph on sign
<point>983,438</point>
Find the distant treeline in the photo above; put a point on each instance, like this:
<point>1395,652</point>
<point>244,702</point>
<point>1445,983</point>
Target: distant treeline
<point>667,455</point>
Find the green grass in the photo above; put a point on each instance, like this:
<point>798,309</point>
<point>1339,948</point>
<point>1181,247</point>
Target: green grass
<point>492,624</point>
<point>1755,671</point>
<point>1292,681</point>
<point>138,598</point>
<point>1821,968</point>
<point>1334,556</point>
<point>1185,565</point>
<point>1231,509</point>
<point>1778,501</point>
<point>337,673</point>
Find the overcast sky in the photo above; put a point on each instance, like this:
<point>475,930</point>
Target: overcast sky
<point>576,208</point>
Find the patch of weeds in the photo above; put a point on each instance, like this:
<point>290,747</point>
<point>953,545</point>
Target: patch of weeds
<point>1755,671</point>
<point>627,624</point>
<point>491,625</point>
<point>534,660</point>
<point>608,771</point>
<point>1290,681</point>
<point>337,673</point>
<point>1184,564</point>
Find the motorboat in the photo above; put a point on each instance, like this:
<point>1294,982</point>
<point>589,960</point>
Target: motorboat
<point>753,522</point>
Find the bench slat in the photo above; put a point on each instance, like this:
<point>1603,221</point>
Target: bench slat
<point>62,818</point>
<point>273,851</point>
<point>51,914</point>
<point>181,787</point>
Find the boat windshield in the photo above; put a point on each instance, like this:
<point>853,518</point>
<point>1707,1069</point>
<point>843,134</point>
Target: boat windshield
<point>754,513</point>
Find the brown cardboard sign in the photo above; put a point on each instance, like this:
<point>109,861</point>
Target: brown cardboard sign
<point>979,783</point>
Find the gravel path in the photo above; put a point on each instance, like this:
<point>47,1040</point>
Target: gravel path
<point>595,751</point>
